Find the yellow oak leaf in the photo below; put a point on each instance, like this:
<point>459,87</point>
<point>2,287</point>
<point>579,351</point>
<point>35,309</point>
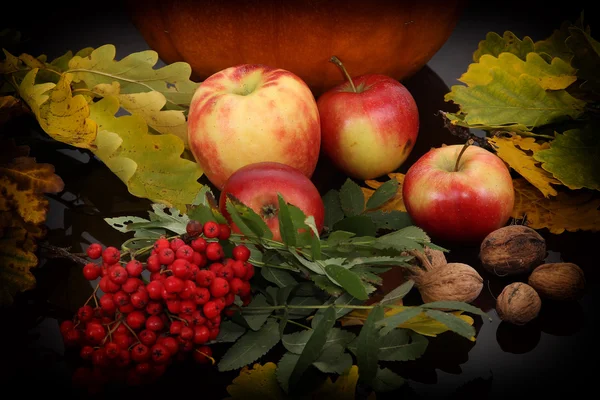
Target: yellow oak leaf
<point>258,382</point>
<point>396,203</point>
<point>60,114</point>
<point>568,211</point>
<point>149,106</point>
<point>344,387</point>
<point>517,152</point>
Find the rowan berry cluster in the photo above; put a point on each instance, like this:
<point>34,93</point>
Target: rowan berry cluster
<point>151,312</point>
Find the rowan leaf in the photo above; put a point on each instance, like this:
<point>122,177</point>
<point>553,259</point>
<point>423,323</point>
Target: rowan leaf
<point>495,44</point>
<point>351,198</point>
<point>149,106</point>
<point>518,152</point>
<point>258,382</point>
<point>396,202</point>
<point>367,346</point>
<point>572,158</point>
<point>511,102</point>
<point>386,380</point>
<point>295,342</point>
<point>150,165</point>
<point>568,211</point>
<point>334,360</point>
<point>402,345</point>
<point>135,73</point>
<point>250,347</point>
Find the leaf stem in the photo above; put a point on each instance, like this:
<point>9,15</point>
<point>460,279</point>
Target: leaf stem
<point>291,322</point>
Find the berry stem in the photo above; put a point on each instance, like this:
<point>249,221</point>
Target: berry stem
<point>212,360</point>
<point>93,296</point>
<point>132,331</point>
<point>337,62</point>
<point>462,151</point>
<point>111,330</point>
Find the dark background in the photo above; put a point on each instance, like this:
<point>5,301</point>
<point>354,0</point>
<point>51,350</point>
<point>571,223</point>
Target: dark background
<point>548,358</point>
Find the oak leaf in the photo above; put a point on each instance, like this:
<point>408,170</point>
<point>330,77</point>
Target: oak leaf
<point>518,152</point>
<point>258,382</point>
<point>396,203</point>
<point>568,211</point>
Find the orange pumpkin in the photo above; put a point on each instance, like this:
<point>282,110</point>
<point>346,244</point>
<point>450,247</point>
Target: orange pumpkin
<point>396,38</point>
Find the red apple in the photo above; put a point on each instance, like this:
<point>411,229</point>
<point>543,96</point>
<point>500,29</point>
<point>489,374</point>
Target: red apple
<point>251,113</point>
<point>459,193</point>
<point>369,124</point>
<point>257,185</point>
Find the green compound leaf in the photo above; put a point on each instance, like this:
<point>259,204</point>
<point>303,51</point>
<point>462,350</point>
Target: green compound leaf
<point>250,347</point>
<point>347,279</point>
<point>352,198</point>
<point>495,44</point>
<point>367,346</point>
<point>382,194</point>
<point>402,345</point>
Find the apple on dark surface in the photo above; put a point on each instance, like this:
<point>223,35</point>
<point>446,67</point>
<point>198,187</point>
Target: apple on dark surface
<point>369,124</point>
<point>459,193</point>
<point>257,186</point>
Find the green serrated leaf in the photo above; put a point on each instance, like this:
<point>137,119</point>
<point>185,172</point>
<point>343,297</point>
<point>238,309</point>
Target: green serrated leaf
<point>163,216</point>
<point>278,276</point>
<point>555,46</point>
<point>285,367</point>
<point>370,273</point>
<point>256,318</point>
<point>315,240</point>
<point>239,214</point>
<point>344,300</point>
<point>495,44</point>
<point>250,347</point>
<point>339,236</point>
<point>333,208</point>
<point>378,260</point>
<point>286,225</point>
<point>402,345</point>
<point>367,346</point>
<point>360,225</point>
<point>382,194</point>
<point>390,220</point>
<point>352,198</point>
<point>201,213</point>
<point>348,280</point>
<point>229,332</point>
<point>398,293</point>
<point>390,323</point>
<point>295,342</point>
<point>386,381</point>
<point>314,346</point>
<point>333,360</point>
<point>456,306</point>
<point>305,302</point>
<point>453,323</point>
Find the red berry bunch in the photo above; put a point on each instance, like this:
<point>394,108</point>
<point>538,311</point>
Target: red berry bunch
<point>155,311</point>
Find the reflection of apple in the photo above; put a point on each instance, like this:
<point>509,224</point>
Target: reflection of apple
<point>369,124</point>
<point>459,193</point>
<point>252,113</point>
<point>257,185</point>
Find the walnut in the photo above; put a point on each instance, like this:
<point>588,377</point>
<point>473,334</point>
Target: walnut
<point>512,250</point>
<point>518,303</point>
<point>558,281</point>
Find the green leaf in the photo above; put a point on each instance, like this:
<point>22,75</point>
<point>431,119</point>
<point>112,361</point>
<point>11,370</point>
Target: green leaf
<point>370,273</point>
<point>247,221</point>
<point>398,293</point>
<point>285,367</point>
<point>352,198</point>
<point>453,323</point>
<point>303,301</point>
<point>367,346</point>
<point>277,276</point>
<point>348,280</point>
<point>402,345</point>
<point>286,225</point>
<point>325,284</point>
<point>295,342</point>
<point>586,57</point>
<point>382,194</point>
<point>250,347</point>
<point>315,242</point>
<point>344,300</point>
<point>360,225</point>
<point>390,220</point>
<point>256,318</point>
<point>165,217</point>
<point>339,236</point>
<point>333,208</point>
<point>121,223</point>
<point>314,346</point>
<point>456,306</point>
<point>229,332</point>
<point>333,360</point>
<point>386,381</point>
<point>390,323</point>
<point>555,46</point>
<point>573,158</point>
<point>495,44</point>
<point>378,260</point>
<point>201,213</point>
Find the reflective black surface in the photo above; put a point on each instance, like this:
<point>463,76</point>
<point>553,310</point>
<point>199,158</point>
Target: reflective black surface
<point>547,357</point>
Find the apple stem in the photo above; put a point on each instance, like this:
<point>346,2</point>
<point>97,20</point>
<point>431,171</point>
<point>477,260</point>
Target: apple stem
<point>337,62</point>
<point>462,151</point>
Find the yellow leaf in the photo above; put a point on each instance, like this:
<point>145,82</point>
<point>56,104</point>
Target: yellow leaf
<point>260,382</point>
<point>10,63</point>
<point>396,203</point>
<point>344,387</point>
<point>568,211</point>
<point>148,105</point>
<point>60,114</point>
<point>513,151</point>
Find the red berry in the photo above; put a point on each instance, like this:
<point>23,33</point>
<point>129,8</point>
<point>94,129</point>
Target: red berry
<point>66,326</point>
<point>199,259</point>
<point>154,308</point>
<point>185,252</point>
<point>214,251</point>
<point>201,334</point>
<point>135,319</point>
<point>236,286</point>
<point>86,352</point>
<point>124,340</point>
<point>147,337</point>
<point>245,290</point>
<point>123,359</point>
<point>126,309</point>
<point>175,328</point>
<point>188,306</point>
<point>173,284</point>
<point>112,350</point>
<point>154,323</point>
<point>229,297</point>
<point>189,290</point>
<point>226,272</point>
<point>72,337</point>
<point>140,353</point>
<point>210,309</point>
<point>100,358</point>
<point>143,368</point>
<point>199,244</point>
<point>193,228</point>
<point>107,285</point>
<point>155,289</point>
<point>91,271</point>
<point>108,304</point>
<point>239,269</point>
<point>214,333</point>
<point>118,274</point>
<point>249,271</point>
<point>85,313</point>
<point>161,243</point>
<point>202,295</point>
<point>134,268</point>
<point>157,276</point>
<point>174,306</point>
<point>171,344</point>
<point>153,263</point>
<point>187,333</point>
<point>121,298</point>
<point>166,256</point>
<point>205,277</point>
<point>139,299</point>
<point>215,267</point>
<point>111,255</point>
<point>95,333</point>
<point>160,353</point>
<point>94,251</point>
<point>211,229</point>
<point>241,253</point>
<point>224,232</point>
<point>181,268</point>
<point>176,243</point>
<point>219,287</point>
<point>202,354</point>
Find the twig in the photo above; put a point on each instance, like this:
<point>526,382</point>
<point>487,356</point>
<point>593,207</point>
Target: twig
<point>52,251</point>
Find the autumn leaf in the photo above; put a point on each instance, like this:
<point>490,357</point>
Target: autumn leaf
<point>518,152</point>
<point>568,211</point>
<point>396,203</point>
<point>11,107</point>
<point>572,158</point>
<point>258,382</point>
<point>495,45</point>
<point>23,212</point>
<point>150,165</point>
<point>60,114</point>
<point>344,387</point>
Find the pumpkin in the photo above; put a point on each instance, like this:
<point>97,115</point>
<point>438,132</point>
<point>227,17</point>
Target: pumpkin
<point>396,38</point>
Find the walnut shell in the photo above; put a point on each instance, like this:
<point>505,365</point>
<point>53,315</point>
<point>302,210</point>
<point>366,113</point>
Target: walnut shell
<point>518,303</point>
<point>512,250</point>
<point>558,281</point>
<point>454,281</point>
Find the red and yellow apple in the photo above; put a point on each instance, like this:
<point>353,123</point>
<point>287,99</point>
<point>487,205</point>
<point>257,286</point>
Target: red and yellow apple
<point>369,124</point>
<point>252,113</point>
<point>459,193</point>
<point>257,186</point>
